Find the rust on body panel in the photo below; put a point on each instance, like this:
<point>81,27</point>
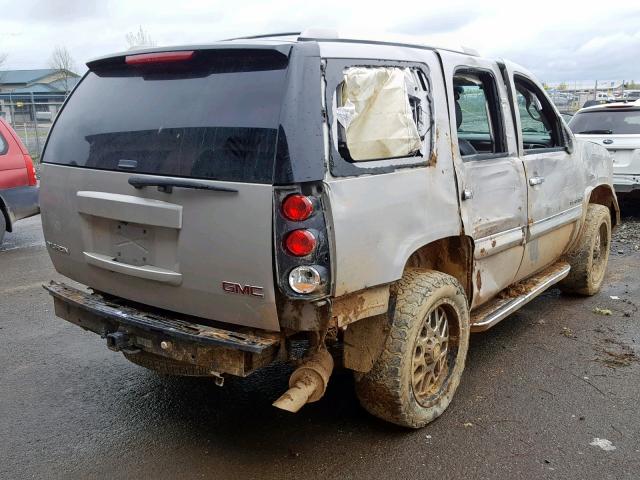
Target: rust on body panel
<point>364,342</point>
<point>478,280</point>
<point>452,255</point>
<point>355,306</point>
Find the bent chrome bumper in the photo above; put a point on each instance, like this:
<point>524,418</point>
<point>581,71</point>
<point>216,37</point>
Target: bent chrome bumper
<point>133,329</point>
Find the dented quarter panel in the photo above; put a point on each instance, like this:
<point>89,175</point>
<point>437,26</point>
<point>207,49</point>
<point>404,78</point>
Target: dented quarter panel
<point>376,233</point>
<point>379,220</point>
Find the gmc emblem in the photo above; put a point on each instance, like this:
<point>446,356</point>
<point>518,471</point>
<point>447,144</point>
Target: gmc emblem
<point>232,287</point>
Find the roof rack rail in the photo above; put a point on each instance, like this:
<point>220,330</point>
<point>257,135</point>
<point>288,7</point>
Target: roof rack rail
<point>264,35</point>
<point>316,33</point>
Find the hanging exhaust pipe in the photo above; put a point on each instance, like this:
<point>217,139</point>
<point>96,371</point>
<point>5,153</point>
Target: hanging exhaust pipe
<point>307,383</point>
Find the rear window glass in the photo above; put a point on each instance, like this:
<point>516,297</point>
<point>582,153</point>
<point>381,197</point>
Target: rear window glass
<point>3,145</point>
<point>215,117</point>
<point>607,122</point>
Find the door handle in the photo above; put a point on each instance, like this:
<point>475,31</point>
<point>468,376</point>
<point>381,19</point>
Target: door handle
<point>467,194</point>
<point>533,181</point>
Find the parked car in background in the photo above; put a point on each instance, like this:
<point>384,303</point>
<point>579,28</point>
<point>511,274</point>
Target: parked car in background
<point>18,182</point>
<point>616,126</point>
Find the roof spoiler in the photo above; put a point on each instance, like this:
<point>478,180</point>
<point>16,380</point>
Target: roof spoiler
<point>120,57</point>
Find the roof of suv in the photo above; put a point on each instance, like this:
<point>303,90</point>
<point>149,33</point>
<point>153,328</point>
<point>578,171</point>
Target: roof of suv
<point>288,38</point>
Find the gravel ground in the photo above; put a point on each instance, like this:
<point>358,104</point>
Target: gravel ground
<point>626,238</point>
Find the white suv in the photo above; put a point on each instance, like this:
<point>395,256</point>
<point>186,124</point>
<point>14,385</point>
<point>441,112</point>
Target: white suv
<point>616,126</point>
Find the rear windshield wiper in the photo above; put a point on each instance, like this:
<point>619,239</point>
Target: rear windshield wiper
<point>166,185</point>
<point>596,132</point>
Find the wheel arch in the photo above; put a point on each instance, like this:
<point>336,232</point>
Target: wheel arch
<point>6,212</point>
<point>450,255</point>
<point>604,195</point>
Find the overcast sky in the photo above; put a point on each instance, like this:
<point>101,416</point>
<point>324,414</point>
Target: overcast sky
<point>558,40</point>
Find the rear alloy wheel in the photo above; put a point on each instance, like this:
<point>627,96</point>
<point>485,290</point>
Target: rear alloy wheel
<point>418,372</point>
<point>431,356</point>
<point>590,255</point>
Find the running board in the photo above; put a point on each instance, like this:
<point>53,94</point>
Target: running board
<point>514,297</point>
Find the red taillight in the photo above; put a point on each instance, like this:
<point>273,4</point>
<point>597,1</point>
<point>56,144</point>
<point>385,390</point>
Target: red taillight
<point>300,243</point>
<point>31,171</point>
<point>159,57</point>
<point>297,207</point>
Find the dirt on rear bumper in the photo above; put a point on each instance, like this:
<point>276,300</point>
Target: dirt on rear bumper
<point>132,329</point>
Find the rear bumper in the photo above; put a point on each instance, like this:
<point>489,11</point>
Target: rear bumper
<point>626,183</point>
<point>132,330</point>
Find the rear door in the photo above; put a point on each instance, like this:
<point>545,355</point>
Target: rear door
<point>158,183</point>
<point>491,178</point>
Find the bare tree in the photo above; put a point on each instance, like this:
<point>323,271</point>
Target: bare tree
<point>140,39</point>
<point>62,62</point>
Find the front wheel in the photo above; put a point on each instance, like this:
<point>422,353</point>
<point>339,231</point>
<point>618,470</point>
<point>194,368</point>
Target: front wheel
<point>418,372</point>
<point>589,256</point>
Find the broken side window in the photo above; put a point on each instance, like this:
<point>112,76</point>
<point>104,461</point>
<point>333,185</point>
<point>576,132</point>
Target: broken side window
<point>382,113</point>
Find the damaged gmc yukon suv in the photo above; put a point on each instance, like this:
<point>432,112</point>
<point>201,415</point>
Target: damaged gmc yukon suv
<point>381,201</point>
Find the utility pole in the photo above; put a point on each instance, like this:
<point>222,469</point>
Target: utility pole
<point>35,121</point>
<point>12,121</point>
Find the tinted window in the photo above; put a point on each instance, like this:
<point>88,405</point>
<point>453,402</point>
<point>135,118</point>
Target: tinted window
<point>478,115</point>
<point>215,117</point>
<point>474,108</point>
<point>607,122</point>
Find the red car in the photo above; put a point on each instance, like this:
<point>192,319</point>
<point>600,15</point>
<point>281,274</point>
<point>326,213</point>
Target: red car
<point>18,182</point>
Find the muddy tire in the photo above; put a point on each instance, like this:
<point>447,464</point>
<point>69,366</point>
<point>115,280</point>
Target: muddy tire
<point>418,372</point>
<point>166,366</point>
<point>589,256</point>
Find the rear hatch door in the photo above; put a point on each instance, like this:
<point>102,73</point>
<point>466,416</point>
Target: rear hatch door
<point>158,182</point>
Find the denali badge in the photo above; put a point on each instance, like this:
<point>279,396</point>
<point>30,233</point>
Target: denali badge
<point>232,287</point>
<point>58,248</point>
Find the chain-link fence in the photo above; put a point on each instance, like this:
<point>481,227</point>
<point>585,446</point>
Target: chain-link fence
<point>31,117</point>
<point>572,96</point>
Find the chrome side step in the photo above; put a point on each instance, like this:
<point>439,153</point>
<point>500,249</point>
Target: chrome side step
<point>514,297</point>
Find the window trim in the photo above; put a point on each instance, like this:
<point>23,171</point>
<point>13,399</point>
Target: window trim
<point>496,125</point>
<point>342,167</point>
<point>560,133</point>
